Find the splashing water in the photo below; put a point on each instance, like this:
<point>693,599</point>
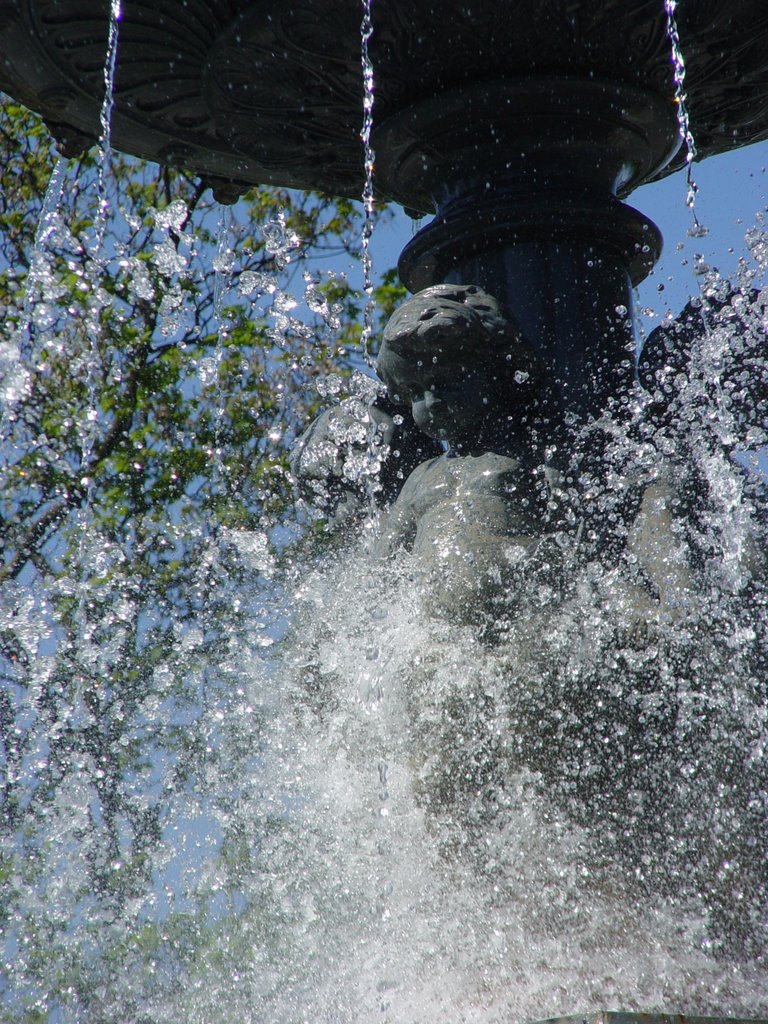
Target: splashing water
<point>394,820</point>
<point>18,355</point>
<point>409,823</point>
<point>563,816</point>
<point>110,652</point>
<point>406,851</point>
<point>36,289</point>
<point>171,257</point>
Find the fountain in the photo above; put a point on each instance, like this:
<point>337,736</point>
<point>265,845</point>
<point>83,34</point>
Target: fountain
<point>521,144</point>
<point>613,673</point>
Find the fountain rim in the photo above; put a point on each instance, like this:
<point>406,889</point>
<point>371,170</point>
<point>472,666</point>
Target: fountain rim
<point>630,134</point>
<point>46,70</point>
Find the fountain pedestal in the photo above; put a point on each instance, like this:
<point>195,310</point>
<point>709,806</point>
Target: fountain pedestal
<point>525,176</point>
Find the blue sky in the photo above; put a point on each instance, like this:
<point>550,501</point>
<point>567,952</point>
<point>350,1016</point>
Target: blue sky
<point>733,189</point>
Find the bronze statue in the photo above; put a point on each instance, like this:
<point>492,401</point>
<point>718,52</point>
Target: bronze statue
<point>595,597</point>
<point>474,494</point>
<point>477,518</point>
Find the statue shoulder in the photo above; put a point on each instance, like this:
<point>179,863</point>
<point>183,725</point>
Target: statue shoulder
<point>429,476</point>
<point>491,474</point>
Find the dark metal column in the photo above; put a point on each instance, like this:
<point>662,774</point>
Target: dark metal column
<point>524,176</point>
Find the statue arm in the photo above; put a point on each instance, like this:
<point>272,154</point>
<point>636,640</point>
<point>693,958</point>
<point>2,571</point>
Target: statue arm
<point>351,445</point>
<point>400,522</point>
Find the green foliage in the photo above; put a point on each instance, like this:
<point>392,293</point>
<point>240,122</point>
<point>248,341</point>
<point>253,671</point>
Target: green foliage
<point>145,433</point>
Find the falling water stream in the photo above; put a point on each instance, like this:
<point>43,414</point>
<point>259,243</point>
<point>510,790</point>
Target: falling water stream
<point>398,819</point>
<point>38,272</point>
<point>697,229</point>
<point>366,31</point>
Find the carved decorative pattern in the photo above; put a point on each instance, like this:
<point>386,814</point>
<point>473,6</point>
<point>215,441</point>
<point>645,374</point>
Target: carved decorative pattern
<point>263,91</point>
<point>288,94</point>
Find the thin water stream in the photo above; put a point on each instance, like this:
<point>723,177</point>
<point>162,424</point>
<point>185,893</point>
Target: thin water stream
<point>681,98</point>
<point>369,159</point>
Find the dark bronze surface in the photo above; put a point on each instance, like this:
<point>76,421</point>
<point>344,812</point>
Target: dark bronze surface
<point>261,91</point>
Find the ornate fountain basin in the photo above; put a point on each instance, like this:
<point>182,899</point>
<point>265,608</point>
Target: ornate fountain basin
<point>257,91</point>
<point>521,123</point>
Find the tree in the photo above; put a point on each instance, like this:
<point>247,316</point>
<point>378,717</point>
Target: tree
<point>154,374</point>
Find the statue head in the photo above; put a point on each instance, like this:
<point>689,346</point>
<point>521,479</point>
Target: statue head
<point>451,354</point>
